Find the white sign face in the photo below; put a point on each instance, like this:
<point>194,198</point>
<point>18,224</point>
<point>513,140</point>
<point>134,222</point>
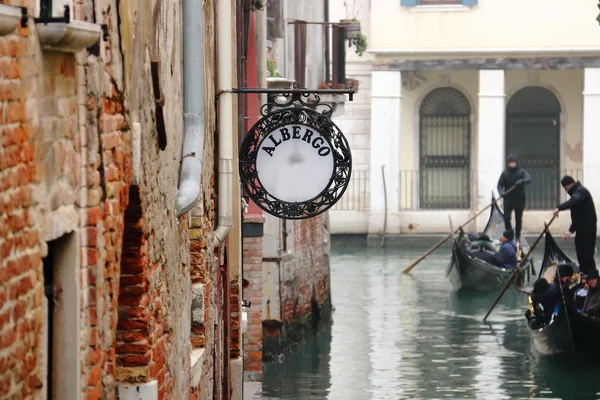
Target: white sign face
<point>294,163</point>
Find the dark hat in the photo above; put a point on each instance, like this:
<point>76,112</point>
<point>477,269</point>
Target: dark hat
<point>511,157</point>
<point>509,234</point>
<point>592,274</point>
<point>567,180</point>
<point>540,286</point>
<point>565,270</point>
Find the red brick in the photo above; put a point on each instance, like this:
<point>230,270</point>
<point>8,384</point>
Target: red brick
<point>94,356</point>
<point>134,360</point>
<point>21,287</point>
<point>92,237</point>
<point>8,337</point>
<point>16,112</point>
<point>130,348</point>
<point>132,336</point>
<point>92,256</point>
<point>130,280</point>
<point>130,300</point>
<point>95,375</point>
<point>94,393</point>
<point>129,325</point>
<point>94,215</point>
<point>93,313</point>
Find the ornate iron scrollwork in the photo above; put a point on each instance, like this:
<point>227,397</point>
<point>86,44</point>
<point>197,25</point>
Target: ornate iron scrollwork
<point>303,110</point>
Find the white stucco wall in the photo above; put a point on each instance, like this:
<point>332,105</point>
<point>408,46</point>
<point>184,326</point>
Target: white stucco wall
<point>489,25</point>
<point>568,87</point>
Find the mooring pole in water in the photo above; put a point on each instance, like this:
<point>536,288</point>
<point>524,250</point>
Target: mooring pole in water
<point>384,206</point>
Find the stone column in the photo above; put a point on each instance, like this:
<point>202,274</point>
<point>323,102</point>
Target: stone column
<point>491,138</point>
<point>386,110</point>
<point>591,132</point>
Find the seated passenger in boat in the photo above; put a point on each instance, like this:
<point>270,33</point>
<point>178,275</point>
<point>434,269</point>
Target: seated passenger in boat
<point>506,257</point>
<point>592,302</point>
<point>544,297</point>
<point>565,271</point>
<point>481,242</point>
<point>581,291</point>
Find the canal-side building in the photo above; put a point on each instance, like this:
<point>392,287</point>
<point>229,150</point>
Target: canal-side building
<point>455,87</point>
<point>120,222</point>
<point>286,263</point>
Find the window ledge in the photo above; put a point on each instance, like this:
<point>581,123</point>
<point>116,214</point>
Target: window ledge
<point>9,19</point>
<point>68,37</point>
<point>440,8</point>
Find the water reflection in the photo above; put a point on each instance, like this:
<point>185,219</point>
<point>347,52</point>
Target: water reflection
<point>401,336</point>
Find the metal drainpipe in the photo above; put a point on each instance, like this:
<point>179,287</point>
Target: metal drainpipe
<point>193,106</point>
<point>326,27</point>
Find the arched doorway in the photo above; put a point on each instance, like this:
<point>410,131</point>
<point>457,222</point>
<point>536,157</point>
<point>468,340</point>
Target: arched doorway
<point>445,156</point>
<point>533,135</point>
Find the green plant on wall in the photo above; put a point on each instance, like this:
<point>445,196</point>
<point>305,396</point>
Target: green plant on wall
<point>257,5</point>
<point>360,44</point>
<point>272,71</point>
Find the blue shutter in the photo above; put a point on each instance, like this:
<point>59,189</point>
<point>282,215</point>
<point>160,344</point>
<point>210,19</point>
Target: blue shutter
<point>469,2</point>
<point>409,3</point>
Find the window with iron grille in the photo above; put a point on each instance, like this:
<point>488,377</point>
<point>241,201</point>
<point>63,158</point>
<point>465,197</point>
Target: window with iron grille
<point>444,146</point>
<point>533,135</point>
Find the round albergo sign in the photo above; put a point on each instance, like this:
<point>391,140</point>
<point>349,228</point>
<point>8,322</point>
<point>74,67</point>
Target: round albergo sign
<point>295,163</point>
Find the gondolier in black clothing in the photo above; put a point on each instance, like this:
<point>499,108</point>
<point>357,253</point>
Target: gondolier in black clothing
<point>513,175</point>
<point>583,222</point>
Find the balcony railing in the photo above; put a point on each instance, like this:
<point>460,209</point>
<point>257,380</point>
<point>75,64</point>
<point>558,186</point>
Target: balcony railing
<point>446,189</point>
<point>356,197</point>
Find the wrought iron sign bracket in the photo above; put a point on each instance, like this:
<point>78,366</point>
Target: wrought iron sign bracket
<point>297,93</point>
<point>294,162</point>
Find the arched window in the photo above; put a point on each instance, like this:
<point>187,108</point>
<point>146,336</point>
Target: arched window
<point>533,135</point>
<point>445,156</point>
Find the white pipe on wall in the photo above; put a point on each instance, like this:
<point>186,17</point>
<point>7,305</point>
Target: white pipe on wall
<point>226,63</point>
<point>193,106</point>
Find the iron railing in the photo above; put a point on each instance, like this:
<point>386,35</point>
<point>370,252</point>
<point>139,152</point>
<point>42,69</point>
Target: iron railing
<point>437,189</point>
<point>447,190</point>
<point>356,197</point>
<point>544,192</point>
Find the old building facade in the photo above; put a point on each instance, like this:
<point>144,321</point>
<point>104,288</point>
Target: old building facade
<point>286,263</point>
<point>454,87</point>
<point>120,245</point>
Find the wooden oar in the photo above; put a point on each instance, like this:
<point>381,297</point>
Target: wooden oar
<point>431,250</point>
<point>562,297</point>
<point>518,269</point>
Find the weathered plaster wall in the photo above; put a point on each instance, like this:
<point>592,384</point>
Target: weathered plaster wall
<point>70,126</point>
<point>304,288</point>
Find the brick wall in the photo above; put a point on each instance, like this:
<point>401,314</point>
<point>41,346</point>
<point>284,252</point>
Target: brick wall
<point>304,287</point>
<point>253,258</point>
<point>66,167</point>
<point>21,284</point>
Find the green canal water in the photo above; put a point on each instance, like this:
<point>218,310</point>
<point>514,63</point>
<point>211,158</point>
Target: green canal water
<point>397,336</point>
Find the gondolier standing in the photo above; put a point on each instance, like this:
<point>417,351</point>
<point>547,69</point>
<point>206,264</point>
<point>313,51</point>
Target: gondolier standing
<point>513,175</point>
<point>583,222</point>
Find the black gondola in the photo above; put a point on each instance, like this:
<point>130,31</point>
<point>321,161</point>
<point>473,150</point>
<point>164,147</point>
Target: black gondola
<point>569,330</point>
<point>469,273</point>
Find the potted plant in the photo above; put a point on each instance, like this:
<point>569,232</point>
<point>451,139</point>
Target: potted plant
<point>257,5</point>
<point>352,83</point>
<point>352,27</point>
<point>360,44</point>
